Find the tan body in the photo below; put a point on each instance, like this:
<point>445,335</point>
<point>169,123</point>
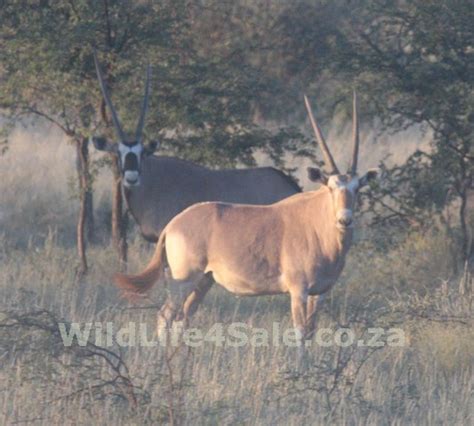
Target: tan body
<point>255,250</point>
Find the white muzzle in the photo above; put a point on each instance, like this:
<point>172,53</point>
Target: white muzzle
<point>131,178</point>
<point>344,218</point>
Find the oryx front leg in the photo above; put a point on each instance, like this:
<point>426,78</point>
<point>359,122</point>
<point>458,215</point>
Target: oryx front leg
<point>299,298</point>
<point>312,307</point>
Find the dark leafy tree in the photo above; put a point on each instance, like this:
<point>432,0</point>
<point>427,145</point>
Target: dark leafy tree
<point>412,64</point>
<point>203,104</point>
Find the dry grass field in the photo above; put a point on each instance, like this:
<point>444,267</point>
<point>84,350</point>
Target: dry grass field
<point>408,286</point>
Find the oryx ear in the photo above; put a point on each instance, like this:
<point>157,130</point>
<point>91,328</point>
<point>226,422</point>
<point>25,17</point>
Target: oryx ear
<point>151,147</point>
<point>102,144</point>
<point>315,174</point>
<point>371,175</point>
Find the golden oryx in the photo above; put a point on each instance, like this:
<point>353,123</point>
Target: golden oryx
<point>296,246</point>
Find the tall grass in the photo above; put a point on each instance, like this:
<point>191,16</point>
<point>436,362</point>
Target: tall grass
<point>410,286</point>
<point>427,381</point>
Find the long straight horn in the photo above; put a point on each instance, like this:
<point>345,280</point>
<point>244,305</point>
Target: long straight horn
<point>141,121</point>
<point>103,88</point>
<point>319,136</point>
<point>355,136</point>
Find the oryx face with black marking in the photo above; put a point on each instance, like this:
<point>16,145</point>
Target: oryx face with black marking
<point>343,187</point>
<point>130,155</point>
<point>130,151</point>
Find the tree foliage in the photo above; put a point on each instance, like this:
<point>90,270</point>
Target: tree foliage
<point>222,68</point>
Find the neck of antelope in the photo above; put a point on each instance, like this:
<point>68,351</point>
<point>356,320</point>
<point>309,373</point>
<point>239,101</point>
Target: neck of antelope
<point>334,240</point>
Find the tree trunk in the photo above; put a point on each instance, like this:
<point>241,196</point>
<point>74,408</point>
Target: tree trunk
<point>119,219</point>
<point>83,171</point>
<point>85,193</point>
<point>465,228</point>
<point>90,223</point>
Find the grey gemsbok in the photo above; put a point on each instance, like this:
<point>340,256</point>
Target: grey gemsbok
<point>296,246</point>
<point>157,188</point>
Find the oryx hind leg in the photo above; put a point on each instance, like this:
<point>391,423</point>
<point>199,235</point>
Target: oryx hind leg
<point>195,298</point>
<point>178,292</point>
